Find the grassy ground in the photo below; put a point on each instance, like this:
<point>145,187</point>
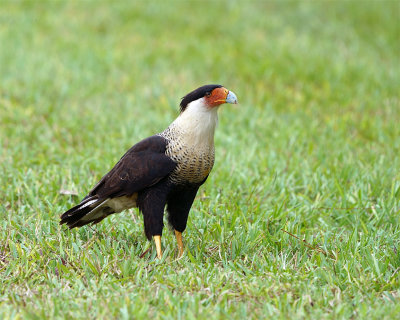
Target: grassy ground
<point>300,216</point>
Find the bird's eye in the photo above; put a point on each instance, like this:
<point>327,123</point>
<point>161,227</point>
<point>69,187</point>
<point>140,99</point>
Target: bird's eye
<point>208,93</point>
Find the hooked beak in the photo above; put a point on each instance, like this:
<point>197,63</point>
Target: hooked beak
<point>231,98</point>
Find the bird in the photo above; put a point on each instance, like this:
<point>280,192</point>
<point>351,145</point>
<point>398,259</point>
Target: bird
<point>163,171</point>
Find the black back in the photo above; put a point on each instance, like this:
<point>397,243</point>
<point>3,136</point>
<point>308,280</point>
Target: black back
<point>142,166</point>
<point>197,94</point>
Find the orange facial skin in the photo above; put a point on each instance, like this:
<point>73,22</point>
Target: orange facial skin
<point>217,97</point>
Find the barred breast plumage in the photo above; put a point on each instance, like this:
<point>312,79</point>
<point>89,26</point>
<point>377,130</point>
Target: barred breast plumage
<point>194,160</point>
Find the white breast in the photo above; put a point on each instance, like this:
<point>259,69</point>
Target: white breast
<point>191,142</point>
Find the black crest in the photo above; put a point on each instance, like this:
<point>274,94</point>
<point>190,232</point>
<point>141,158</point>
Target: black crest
<point>197,94</point>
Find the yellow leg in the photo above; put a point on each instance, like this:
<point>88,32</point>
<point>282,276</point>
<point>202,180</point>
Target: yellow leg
<point>157,240</point>
<point>178,236</point>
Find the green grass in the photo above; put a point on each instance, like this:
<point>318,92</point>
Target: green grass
<point>312,151</point>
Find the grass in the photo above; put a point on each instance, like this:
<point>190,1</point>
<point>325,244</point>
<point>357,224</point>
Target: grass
<point>300,216</point>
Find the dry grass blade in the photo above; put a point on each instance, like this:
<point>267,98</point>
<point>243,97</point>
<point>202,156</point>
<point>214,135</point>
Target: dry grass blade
<point>315,248</point>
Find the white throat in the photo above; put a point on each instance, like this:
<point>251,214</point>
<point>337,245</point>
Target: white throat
<point>197,123</point>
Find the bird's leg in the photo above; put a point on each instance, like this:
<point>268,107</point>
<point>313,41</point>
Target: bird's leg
<point>157,240</point>
<point>178,236</point>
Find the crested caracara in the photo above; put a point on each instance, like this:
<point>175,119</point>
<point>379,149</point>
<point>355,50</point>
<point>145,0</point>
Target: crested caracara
<point>166,169</point>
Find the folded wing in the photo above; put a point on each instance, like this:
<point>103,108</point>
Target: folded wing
<point>142,166</point>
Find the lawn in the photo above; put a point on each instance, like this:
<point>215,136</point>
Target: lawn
<point>300,217</point>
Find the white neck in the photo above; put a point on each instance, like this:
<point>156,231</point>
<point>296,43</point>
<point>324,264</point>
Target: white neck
<point>198,123</point>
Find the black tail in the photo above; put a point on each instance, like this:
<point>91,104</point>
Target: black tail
<point>91,209</point>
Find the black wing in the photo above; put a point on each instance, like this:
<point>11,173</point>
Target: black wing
<point>142,166</point>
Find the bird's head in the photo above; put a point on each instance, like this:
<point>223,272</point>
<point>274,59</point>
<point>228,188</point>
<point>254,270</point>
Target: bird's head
<point>208,97</point>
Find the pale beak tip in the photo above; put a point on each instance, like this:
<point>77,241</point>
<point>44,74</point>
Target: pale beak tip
<point>231,98</point>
